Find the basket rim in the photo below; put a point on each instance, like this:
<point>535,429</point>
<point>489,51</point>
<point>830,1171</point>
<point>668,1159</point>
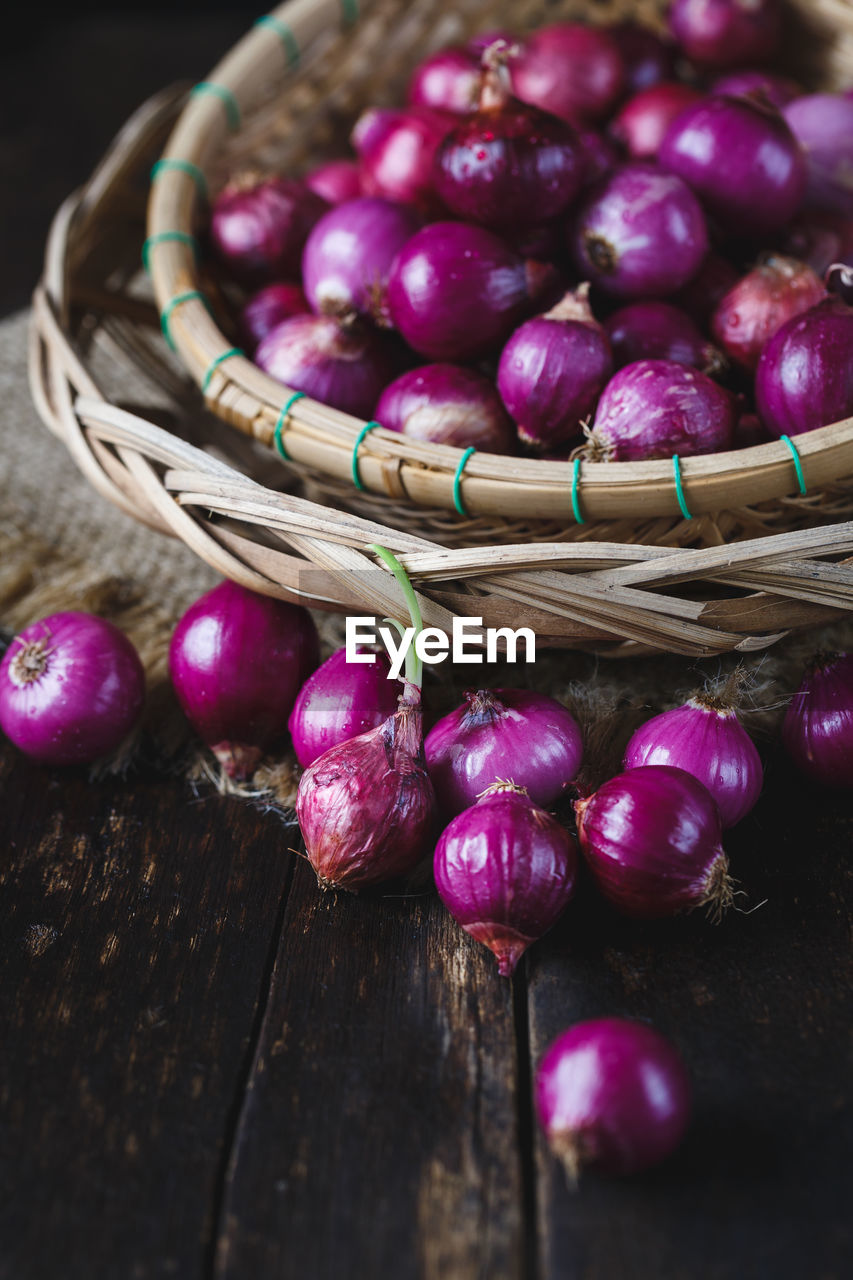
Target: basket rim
<point>423,474</point>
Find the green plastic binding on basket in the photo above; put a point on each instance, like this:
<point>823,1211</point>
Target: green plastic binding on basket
<point>356,478</point>
<point>282,418</point>
<point>798,464</point>
<point>163,237</point>
<point>170,165</point>
<point>457,481</point>
<point>679,487</point>
<point>576,505</point>
<point>214,365</point>
<point>285,35</point>
<point>179,298</point>
<point>225,96</point>
<point>350,9</point>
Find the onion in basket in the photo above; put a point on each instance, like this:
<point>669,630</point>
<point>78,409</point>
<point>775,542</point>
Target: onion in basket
<point>655,408</point>
<point>258,227</point>
<point>805,374</point>
<point>726,33</point>
<point>447,405</point>
<point>397,149</point>
<point>575,72</point>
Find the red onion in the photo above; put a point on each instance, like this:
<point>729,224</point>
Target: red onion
<point>741,159</point>
<point>71,688</point>
<point>339,701</point>
<point>447,405</point>
<point>818,728</point>
<point>335,181</point>
<point>700,296</point>
<point>705,737</point>
<point>613,1095</point>
<point>820,238</point>
<point>575,72</point>
<point>366,807</point>
<point>237,660</point>
<point>823,125</point>
<point>640,233</point>
<point>345,367</point>
<point>457,290</point>
<point>349,253</point>
<point>655,408</point>
<point>600,155</point>
<point>642,122</point>
<point>651,837</point>
<point>759,304</point>
<point>505,870</point>
<point>267,308</point>
<point>509,165</point>
<point>767,86</point>
<point>647,58</point>
<point>726,33</point>
<point>503,733</point>
<point>659,331</point>
<point>397,152</point>
<point>805,374</point>
<point>448,80</point>
<point>258,227</point>
<point>553,369</point>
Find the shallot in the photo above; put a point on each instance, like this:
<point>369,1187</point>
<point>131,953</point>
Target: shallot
<point>447,404</point>
<point>258,227</point>
<point>818,729</point>
<point>397,149</point>
<point>823,125</point>
<point>575,72</point>
<point>655,408</point>
<point>659,331</point>
<point>805,374</point>
<point>775,291</point>
<point>339,701</point>
<point>726,33</point>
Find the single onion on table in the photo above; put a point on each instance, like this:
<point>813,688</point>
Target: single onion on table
<point>818,729</point>
<point>447,404</point>
<point>655,408</point>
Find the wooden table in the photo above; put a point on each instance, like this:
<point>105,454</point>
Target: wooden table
<point>211,1069</point>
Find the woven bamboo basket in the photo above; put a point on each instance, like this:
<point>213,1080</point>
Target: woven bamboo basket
<point>167,461</point>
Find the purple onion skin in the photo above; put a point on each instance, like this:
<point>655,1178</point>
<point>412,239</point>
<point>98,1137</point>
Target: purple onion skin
<point>642,123</point>
<point>640,233</point>
<point>652,840</point>
<point>366,807</point>
<point>708,741</point>
<point>659,331</point>
<point>396,149</point>
<point>446,404</point>
<point>336,181</point>
<point>552,371</point>
<point>766,86</point>
<point>448,80</point>
<point>700,296</point>
<point>345,368</point>
<point>505,870</point>
<point>655,408</point>
<point>818,729</point>
<point>823,125</point>
<point>601,155</point>
<point>646,57</point>
<point>71,688</point>
<point>503,733</point>
<point>348,256</point>
<point>268,308</point>
<point>339,701</point>
<point>716,34</point>
<point>612,1095</point>
<point>760,303</point>
<point>237,660</point>
<point>742,161</point>
<point>457,290</point>
<point>572,71</point>
<point>805,374</point>
<point>258,229</point>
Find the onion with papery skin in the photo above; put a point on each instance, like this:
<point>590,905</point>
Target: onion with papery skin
<point>345,367</point>
<point>659,331</point>
<point>397,149</point>
<point>639,233</point>
<point>348,256</point>
<point>575,72</point>
<point>449,405</point>
<point>726,33</point>
<point>818,729</point>
<point>237,660</point>
<point>646,57</point>
<point>335,181</point>
<point>457,290</point>
<point>655,408</point>
<point>642,123</point>
<point>448,80</point>
<point>503,733</point>
<point>553,369</point>
<point>652,840</point>
<point>759,304</point>
<point>823,125</point>
<point>505,870</point>
<point>366,807</point>
<point>258,227</point>
<point>339,701</point>
<point>705,737</point>
<point>766,86</point>
<point>268,308</point>
<point>509,165</point>
<point>613,1095</point>
<point>805,374</point>
<point>741,159</point>
<point>71,689</point>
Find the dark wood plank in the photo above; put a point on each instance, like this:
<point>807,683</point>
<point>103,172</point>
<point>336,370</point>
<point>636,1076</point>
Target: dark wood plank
<point>137,929</point>
<point>761,1008</point>
<point>379,1132</point>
